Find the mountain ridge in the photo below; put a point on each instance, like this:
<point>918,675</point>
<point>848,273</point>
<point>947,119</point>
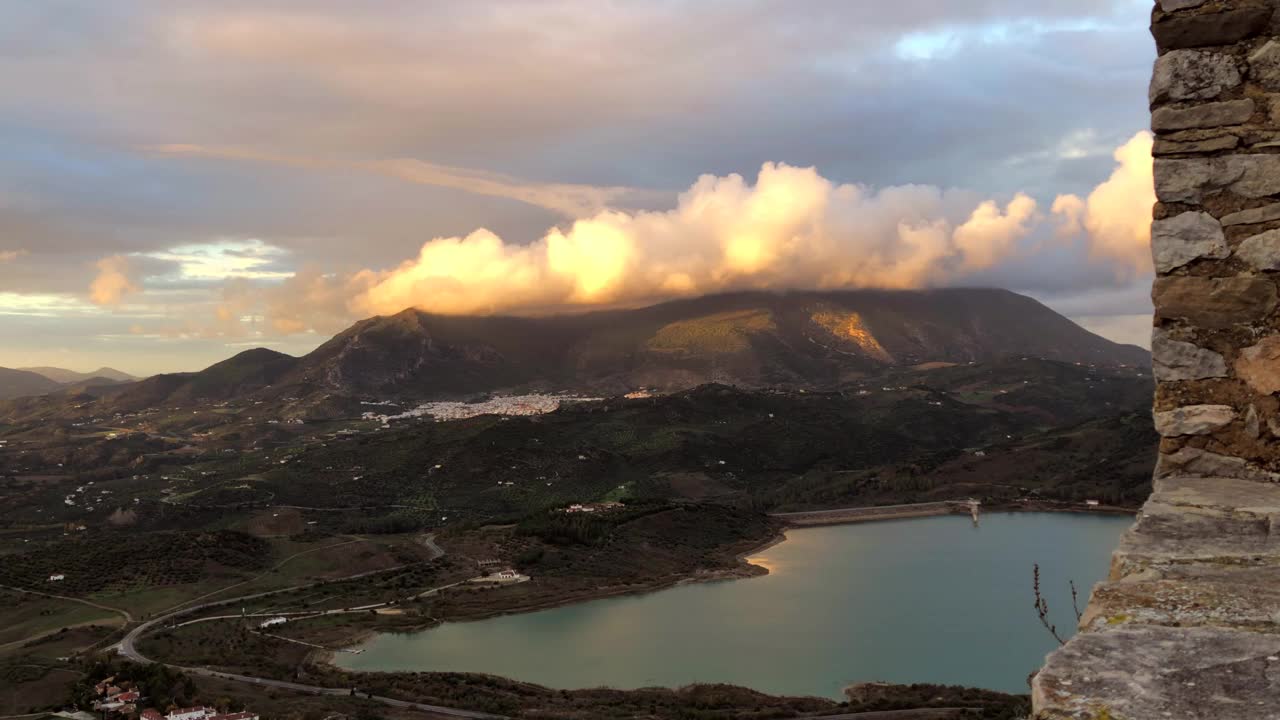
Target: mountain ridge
<point>66,377</point>
<point>810,339</point>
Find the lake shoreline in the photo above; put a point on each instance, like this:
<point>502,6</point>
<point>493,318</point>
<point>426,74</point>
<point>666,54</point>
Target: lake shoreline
<point>912,535</point>
<point>873,513</point>
<point>745,570</point>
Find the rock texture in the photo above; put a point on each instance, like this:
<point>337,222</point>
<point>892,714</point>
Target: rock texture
<point>1214,302</point>
<point>1252,216</point>
<point>1261,251</point>
<point>1187,625</point>
<point>1180,239</point>
<point>1192,75</point>
<point>1173,360</point>
<point>1259,366</point>
<point>1209,115</point>
<point>1193,419</point>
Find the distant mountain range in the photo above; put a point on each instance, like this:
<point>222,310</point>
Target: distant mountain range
<point>62,375</point>
<point>45,380</point>
<point>755,339</point>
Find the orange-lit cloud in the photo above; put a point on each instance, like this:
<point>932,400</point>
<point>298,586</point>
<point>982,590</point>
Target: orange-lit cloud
<point>1116,217</point>
<point>790,229</point>
<point>113,282</point>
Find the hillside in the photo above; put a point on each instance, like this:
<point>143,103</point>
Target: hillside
<point>20,383</point>
<point>799,339</point>
<point>813,340</point>
<point>71,377</point>
<point>1067,432</point>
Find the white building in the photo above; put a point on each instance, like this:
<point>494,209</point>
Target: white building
<point>192,713</point>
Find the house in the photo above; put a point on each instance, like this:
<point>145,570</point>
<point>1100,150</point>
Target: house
<point>191,713</point>
<point>152,714</point>
<point>57,578</point>
<point>273,621</point>
<point>1091,503</point>
<point>101,688</point>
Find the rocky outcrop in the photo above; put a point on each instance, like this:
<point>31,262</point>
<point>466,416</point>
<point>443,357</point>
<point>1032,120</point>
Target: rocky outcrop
<point>1187,625</point>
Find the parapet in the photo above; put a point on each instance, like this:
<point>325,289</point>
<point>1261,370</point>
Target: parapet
<point>1187,625</point>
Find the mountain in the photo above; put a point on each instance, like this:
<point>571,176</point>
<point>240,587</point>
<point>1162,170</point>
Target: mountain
<point>19,383</point>
<point>755,339</point>
<point>800,339</point>
<point>69,377</point>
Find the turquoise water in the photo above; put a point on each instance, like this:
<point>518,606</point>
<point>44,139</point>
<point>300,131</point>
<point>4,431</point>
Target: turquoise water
<point>924,600</point>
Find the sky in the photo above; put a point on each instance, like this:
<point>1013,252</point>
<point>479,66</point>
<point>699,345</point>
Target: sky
<point>182,180</point>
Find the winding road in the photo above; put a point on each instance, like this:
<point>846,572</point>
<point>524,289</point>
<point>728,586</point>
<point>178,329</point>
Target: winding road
<point>128,645</point>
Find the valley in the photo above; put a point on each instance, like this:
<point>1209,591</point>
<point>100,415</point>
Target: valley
<point>158,510</point>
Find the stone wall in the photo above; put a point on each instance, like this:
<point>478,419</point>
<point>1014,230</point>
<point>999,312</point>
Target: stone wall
<point>1188,623</point>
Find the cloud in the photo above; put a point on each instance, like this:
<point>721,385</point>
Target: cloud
<point>11,255</point>
<point>1116,217</point>
<point>113,282</point>
<point>364,129</point>
<point>792,228</point>
<point>564,198</point>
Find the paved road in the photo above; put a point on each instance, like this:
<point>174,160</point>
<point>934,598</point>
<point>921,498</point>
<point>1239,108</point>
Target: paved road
<point>316,690</point>
<point>128,617</point>
<point>50,633</point>
<point>128,646</point>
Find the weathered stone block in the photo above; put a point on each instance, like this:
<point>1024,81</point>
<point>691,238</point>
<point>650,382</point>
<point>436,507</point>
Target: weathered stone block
<point>1214,302</point>
<point>1148,672</point>
<point>1191,179</point>
<point>1174,360</point>
<point>1218,114</point>
<point>1202,463</point>
<point>1252,176</point>
<point>1252,216</point>
<point>1217,144</point>
<point>1183,180</point>
<point>1192,75</point>
<point>1182,238</point>
<point>1264,65</point>
<point>1220,28</point>
<point>1193,419</point>
<point>1262,251</point>
<point>1259,365</point>
<point>1190,595</point>
<point>1201,520</point>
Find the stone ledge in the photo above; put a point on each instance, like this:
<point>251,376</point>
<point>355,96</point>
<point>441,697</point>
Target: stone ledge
<point>1151,672</point>
<point>1202,519</point>
<point>1190,595</point>
<point>1188,626</point>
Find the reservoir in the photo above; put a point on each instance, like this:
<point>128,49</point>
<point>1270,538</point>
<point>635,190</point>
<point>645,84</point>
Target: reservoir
<point>932,600</point>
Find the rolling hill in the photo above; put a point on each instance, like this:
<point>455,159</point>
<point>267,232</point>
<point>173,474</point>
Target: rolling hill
<point>71,377</point>
<point>757,339</point>
<point>19,383</point>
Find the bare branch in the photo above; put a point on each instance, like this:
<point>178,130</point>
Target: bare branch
<point>1075,600</point>
<point>1042,607</point>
